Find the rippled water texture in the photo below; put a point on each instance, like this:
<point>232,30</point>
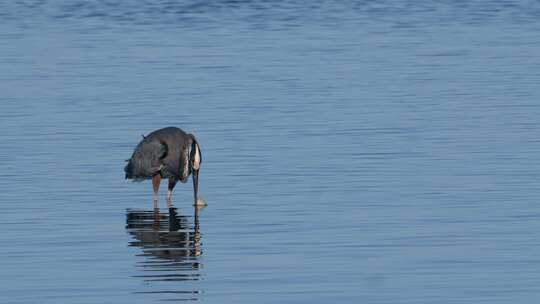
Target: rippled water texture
<point>353,151</point>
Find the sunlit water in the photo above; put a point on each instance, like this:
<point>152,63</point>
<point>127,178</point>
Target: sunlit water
<point>354,151</point>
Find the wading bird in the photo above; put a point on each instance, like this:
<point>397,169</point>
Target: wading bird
<point>166,153</point>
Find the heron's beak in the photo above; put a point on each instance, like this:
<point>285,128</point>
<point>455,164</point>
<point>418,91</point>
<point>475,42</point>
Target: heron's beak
<point>195,184</point>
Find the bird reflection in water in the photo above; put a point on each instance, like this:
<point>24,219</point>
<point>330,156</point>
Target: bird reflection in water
<point>171,246</point>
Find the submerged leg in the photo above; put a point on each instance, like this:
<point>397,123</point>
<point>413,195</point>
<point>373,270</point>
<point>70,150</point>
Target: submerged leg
<point>155,184</point>
<point>172,183</point>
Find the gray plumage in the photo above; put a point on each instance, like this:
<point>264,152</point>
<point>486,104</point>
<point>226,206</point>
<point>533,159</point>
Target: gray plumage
<point>170,152</point>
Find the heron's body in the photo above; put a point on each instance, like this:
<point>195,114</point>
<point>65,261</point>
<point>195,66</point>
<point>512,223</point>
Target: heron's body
<point>166,153</point>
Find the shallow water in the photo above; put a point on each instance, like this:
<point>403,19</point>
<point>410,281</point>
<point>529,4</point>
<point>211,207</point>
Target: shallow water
<point>384,152</point>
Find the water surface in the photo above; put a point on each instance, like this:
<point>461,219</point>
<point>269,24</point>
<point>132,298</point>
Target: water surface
<point>375,151</point>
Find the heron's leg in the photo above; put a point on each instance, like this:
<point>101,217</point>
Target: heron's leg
<point>156,179</point>
<point>155,225</point>
<point>172,183</point>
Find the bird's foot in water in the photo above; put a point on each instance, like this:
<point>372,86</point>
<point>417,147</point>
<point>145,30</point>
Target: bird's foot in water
<point>155,200</point>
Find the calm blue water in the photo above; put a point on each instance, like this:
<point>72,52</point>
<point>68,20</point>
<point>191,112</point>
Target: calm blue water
<point>354,151</point>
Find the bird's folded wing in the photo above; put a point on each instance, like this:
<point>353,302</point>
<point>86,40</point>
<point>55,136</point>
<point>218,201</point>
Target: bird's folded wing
<point>146,160</point>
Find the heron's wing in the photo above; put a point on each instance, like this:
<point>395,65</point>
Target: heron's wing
<point>147,158</point>
<point>158,151</point>
<point>177,159</point>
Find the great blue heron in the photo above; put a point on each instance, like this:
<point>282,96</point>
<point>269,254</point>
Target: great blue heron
<point>166,153</point>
